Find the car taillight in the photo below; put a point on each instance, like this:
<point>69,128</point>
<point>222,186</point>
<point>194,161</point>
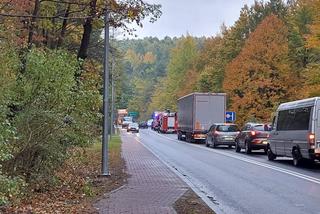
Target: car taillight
<point>311,139</point>
<point>268,135</point>
<point>253,133</point>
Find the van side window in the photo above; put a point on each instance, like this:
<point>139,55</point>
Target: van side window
<point>294,119</point>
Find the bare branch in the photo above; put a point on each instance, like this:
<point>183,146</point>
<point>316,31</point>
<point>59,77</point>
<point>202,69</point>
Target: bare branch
<point>42,17</point>
<point>66,2</point>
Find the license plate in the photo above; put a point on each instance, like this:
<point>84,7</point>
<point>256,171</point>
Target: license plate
<point>229,138</point>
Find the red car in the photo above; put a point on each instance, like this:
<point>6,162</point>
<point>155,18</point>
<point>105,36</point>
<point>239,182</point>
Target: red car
<point>253,137</point>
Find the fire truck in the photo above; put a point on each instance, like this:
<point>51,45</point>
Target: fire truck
<point>168,122</point>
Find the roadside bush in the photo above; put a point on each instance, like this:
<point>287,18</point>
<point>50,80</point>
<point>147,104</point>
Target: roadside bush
<point>56,112</point>
<point>10,187</point>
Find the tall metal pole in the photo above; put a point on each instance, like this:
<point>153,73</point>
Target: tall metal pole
<point>112,96</point>
<point>105,165</point>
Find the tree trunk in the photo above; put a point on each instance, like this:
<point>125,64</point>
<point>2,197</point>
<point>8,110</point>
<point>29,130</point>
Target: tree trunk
<point>87,30</point>
<point>64,27</point>
<point>32,25</point>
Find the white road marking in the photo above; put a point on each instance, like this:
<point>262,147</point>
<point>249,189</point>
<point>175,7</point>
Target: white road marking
<point>275,168</point>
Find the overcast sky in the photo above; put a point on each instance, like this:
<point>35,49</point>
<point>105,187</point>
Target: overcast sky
<point>197,17</point>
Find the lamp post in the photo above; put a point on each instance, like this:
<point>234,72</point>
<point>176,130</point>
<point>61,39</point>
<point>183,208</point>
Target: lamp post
<point>112,95</point>
<point>105,157</point>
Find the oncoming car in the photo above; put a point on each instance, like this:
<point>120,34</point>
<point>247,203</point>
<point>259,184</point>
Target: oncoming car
<point>133,127</point>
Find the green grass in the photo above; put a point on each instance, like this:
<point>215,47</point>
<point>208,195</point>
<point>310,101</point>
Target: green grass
<point>114,143</point>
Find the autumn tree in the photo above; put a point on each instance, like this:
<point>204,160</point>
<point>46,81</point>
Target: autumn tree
<point>259,78</point>
<point>180,77</point>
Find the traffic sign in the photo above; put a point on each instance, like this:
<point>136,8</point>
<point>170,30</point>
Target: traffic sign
<point>133,114</point>
<point>230,116</point>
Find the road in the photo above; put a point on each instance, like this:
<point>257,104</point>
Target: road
<point>239,183</point>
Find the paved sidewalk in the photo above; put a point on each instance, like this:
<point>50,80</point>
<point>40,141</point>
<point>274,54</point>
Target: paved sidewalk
<point>152,187</point>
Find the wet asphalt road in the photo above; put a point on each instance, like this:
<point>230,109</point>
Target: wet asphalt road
<point>240,183</point>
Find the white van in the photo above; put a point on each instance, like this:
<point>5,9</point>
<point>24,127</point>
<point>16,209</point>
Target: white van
<point>296,131</point>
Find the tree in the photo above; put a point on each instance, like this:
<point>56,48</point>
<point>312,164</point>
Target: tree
<point>180,68</point>
<point>48,22</point>
<point>259,78</point>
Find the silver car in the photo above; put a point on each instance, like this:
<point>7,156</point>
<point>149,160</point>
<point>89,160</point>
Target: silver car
<point>222,134</point>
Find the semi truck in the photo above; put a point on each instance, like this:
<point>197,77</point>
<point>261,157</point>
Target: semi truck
<point>197,112</point>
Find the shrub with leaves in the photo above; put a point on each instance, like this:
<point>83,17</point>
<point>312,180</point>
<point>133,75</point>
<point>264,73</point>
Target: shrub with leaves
<point>10,187</point>
<point>56,112</point>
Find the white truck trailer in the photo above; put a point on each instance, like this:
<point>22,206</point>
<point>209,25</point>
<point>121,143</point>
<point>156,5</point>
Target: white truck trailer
<point>197,112</point>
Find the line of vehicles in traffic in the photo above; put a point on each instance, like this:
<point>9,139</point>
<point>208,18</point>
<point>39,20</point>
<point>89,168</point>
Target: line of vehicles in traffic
<point>294,131</point>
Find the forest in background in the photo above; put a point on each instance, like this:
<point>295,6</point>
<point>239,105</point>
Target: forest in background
<point>269,56</point>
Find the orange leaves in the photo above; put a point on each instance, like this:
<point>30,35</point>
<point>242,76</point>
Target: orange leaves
<point>258,79</point>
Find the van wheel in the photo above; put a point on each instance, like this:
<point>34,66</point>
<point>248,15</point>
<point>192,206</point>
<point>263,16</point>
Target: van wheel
<point>297,159</point>
<point>238,148</point>
<point>247,148</point>
<point>271,156</point>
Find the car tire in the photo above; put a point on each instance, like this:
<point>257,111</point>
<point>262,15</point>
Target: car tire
<point>207,143</point>
<point>179,136</point>
<point>238,148</point>
<point>297,158</point>
<point>271,155</point>
<point>247,148</point>
<point>214,144</point>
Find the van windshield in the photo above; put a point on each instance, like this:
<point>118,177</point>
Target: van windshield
<point>227,128</point>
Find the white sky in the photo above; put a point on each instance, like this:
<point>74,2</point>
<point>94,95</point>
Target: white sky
<point>196,17</point>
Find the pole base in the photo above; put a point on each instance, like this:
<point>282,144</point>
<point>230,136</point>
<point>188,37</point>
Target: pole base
<point>104,175</point>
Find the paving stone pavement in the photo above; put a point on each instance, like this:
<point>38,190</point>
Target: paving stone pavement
<point>152,187</point>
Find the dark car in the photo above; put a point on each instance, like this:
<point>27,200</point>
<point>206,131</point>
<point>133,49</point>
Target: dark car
<point>222,134</point>
<point>253,137</point>
<point>143,125</point>
<point>133,127</point>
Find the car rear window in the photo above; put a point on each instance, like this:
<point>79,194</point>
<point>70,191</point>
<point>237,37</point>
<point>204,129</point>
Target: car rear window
<point>227,128</point>
<point>262,127</point>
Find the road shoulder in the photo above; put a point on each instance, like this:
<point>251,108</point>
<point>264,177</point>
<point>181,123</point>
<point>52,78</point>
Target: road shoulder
<point>151,188</point>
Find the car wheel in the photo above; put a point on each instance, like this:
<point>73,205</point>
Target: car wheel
<point>207,143</point>
<point>247,148</point>
<point>214,144</point>
<point>297,158</point>
<point>238,148</point>
<point>271,155</point>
